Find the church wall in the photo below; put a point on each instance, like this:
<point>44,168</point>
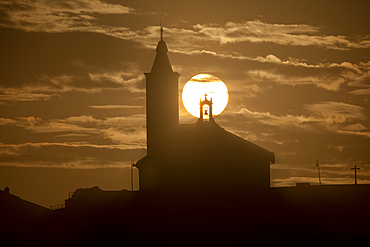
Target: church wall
<point>204,176</point>
<point>162,110</point>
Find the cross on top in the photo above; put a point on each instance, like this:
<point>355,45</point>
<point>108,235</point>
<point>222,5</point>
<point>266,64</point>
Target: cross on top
<point>356,168</point>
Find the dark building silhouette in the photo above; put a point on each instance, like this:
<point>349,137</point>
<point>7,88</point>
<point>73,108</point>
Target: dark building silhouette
<point>96,198</point>
<point>19,219</point>
<point>193,158</point>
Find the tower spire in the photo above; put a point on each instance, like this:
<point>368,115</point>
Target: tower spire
<point>161,61</point>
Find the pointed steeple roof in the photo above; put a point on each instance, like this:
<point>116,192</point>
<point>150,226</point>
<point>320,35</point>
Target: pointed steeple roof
<point>161,62</point>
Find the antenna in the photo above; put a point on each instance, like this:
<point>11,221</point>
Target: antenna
<point>132,174</point>
<point>318,168</point>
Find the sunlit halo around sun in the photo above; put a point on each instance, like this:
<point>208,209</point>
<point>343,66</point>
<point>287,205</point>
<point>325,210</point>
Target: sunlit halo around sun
<point>201,84</point>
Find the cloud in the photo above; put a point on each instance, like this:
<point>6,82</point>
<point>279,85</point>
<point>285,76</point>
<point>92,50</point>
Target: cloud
<point>327,117</point>
<point>294,71</point>
<point>21,121</point>
<point>251,91</point>
<point>365,91</point>
<point>286,120</point>
<point>83,119</point>
<point>127,121</point>
<point>69,16</point>
<point>73,135</point>
<point>331,83</point>
<point>55,127</point>
<point>203,78</point>
<point>363,80</point>
<point>266,128</point>
<point>47,87</point>
<point>128,131</point>
<point>24,94</point>
<point>364,134</point>
<point>88,6</point>
<point>134,85</point>
<point>355,127</point>
<point>24,146</point>
<point>347,66</point>
<point>326,75</point>
<point>337,112</point>
<point>38,125</point>
<point>32,121</point>
<point>330,76</point>
<point>128,136</point>
<point>5,121</point>
<point>283,34</point>
<point>68,155</point>
<point>57,16</point>
<point>115,106</point>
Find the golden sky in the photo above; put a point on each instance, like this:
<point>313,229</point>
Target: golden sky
<point>72,95</point>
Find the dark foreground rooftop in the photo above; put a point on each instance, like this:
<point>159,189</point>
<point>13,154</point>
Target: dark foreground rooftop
<point>331,214</point>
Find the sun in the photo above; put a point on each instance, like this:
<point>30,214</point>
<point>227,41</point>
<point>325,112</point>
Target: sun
<point>201,84</point>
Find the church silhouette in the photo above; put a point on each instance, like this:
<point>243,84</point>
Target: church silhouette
<point>193,158</point>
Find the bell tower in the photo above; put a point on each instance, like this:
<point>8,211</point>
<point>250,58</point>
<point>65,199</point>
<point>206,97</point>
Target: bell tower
<point>205,114</point>
<point>162,103</point>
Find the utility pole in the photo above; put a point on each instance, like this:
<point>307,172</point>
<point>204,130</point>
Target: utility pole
<point>356,168</point>
<point>132,175</point>
<point>318,168</point>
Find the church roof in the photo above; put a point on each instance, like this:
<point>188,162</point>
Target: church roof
<point>210,135</point>
<point>15,206</point>
<point>191,141</point>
